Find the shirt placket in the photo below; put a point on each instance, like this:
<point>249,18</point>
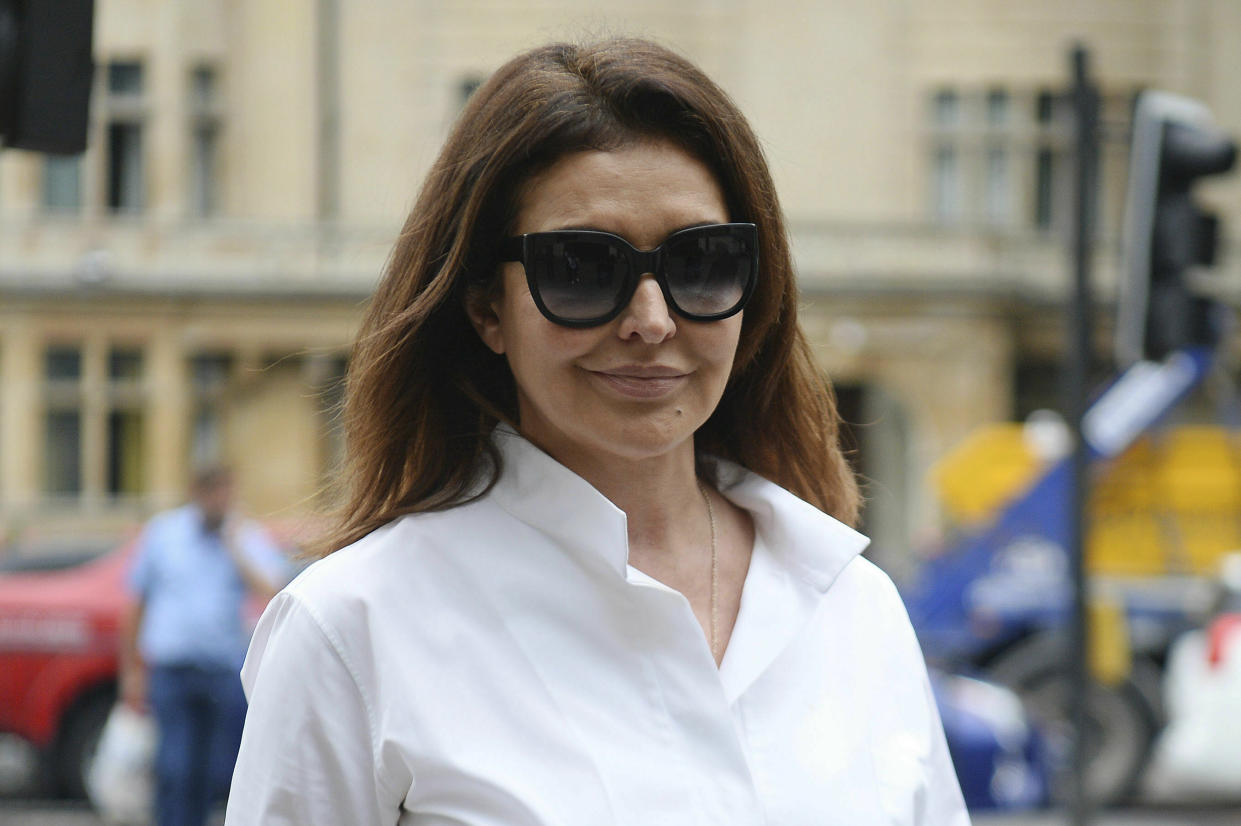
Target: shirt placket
<point>717,786</point>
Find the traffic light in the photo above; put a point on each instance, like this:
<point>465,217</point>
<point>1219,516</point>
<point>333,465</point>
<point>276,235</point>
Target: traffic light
<point>45,74</point>
<point>1166,234</point>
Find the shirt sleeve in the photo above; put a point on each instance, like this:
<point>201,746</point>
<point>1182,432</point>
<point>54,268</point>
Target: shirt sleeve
<point>913,759</point>
<point>307,755</point>
<point>943,804</point>
<point>939,802</point>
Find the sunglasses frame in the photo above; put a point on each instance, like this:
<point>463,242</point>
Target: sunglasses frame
<point>522,248</point>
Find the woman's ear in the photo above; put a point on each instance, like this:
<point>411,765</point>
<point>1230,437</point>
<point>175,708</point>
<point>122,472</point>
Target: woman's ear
<point>484,315</point>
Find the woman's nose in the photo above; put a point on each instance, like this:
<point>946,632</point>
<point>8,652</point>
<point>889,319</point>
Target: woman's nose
<point>647,315</point>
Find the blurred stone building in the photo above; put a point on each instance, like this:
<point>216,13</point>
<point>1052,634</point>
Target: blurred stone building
<point>186,291</point>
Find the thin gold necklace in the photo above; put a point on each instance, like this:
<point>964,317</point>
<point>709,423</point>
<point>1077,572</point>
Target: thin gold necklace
<point>715,576</point>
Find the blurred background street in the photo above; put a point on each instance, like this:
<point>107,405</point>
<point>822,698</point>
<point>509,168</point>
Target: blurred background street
<point>183,267</point>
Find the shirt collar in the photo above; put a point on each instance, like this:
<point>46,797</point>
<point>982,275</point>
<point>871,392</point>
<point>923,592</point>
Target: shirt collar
<point>545,494</point>
<point>813,545</point>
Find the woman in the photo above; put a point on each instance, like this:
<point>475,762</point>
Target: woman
<point>563,589</point>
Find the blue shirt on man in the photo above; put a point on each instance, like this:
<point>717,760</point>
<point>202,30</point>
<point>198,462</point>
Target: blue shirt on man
<point>193,593</point>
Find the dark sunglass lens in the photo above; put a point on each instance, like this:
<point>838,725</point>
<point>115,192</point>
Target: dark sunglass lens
<point>708,272</point>
<point>580,280</point>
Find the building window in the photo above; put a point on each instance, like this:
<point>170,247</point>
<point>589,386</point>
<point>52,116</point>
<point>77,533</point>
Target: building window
<point>124,367</point>
<point>982,142</point>
<point>997,109</point>
<point>63,452</point>
<point>999,187</point>
<point>62,434</point>
<point>62,183</point>
<point>1047,160</point>
<point>63,366</point>
<point>123,137</point>
<point>947,185</point>
<point>1044,188</point>
<point>125,425</point>
<point>1045,107</point>
<point>97,392</point>
<point>210,375</point>
<point>997,191</point>
<point>947,112</point>
<point>947,189</point>
<point>205,127</point>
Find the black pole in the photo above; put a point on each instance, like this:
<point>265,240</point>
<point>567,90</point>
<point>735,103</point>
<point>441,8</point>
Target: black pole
<point>1077,370</point>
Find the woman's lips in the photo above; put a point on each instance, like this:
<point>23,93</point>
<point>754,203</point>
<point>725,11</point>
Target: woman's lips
<point>641,382</point>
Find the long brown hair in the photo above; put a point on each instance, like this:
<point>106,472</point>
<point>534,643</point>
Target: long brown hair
<point>424,393</point>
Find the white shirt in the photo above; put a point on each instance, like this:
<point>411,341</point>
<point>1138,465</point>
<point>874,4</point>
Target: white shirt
<point>500,664</point>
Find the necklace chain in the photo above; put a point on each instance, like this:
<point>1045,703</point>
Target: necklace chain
<point>715,575</point>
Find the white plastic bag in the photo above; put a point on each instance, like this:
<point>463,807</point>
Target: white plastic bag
<point>119,780</point>
<point>1199,752</point>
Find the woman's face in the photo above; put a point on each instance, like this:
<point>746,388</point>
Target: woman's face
<point>641,384</point>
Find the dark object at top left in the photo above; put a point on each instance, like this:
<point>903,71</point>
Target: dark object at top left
<point>45,74</point>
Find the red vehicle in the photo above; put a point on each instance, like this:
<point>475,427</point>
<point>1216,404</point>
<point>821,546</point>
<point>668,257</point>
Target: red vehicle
<point>59,626</point>
<point>60,618</point>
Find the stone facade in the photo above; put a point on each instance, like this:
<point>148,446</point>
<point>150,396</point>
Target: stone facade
<point>250,162</point>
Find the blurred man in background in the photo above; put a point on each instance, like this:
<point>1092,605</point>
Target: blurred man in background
<point>185,637</point>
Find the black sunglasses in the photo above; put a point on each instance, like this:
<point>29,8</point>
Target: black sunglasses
<point>584,278</point>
